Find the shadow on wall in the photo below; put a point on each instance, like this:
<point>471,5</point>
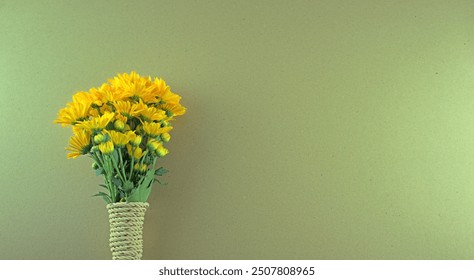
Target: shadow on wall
<point>165,222</point>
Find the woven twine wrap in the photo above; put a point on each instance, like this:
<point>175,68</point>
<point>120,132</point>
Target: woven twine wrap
<point>126,229</point>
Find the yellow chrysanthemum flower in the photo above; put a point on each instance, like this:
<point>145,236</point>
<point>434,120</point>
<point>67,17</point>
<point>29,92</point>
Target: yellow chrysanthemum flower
<point>152,114</point>
<point>107,147</point>
<point>128,109</point>
<point>106,94</point>
<point>73,113</point>
<point>134,86</point>
<point>94,112</point>
<point>173,109</point>
<point>154,129</point>
<point>163,92</point>
<point>119,139</point>
<point>96,124</point>
<point>86,98</point>
<point>79,143</point>
<point>161,86</point>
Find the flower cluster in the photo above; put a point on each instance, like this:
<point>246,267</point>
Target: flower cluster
<point>122,126</point>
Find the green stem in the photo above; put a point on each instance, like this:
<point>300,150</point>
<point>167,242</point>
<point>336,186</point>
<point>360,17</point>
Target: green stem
<point>107,176</point>
<point>108,171</point>
<point>98,157</point>
<point>100,162</point>
<point>117,169</point>
<point>122,163</point>
<point>133,163</point>
<point>143,157</point>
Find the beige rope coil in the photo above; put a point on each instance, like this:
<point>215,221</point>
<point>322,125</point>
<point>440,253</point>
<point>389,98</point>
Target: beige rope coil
<point>126,229</point>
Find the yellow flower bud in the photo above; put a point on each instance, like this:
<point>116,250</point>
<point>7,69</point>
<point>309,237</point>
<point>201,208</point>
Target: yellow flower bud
<point>99,138</point>
<point>136,141</point>
<point>136,166</point>
<point>162,151</point>
<point>119,125</point>
<point>138,153</point>
<point>153,145</point>
<point>165,137</point>
<point>107,147</point>
<point>140,167</point>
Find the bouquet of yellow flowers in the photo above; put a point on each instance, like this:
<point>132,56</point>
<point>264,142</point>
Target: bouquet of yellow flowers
<point>122,126</point>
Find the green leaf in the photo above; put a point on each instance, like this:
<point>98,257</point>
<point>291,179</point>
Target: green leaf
<point>141,193</point>
<point>115,156</point>
<point>161,171</point>
<point>104,196</point>
<point>103,186</point>
<point>117,182</point>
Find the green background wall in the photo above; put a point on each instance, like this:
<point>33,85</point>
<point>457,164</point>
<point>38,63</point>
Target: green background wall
<point>315,129</point>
